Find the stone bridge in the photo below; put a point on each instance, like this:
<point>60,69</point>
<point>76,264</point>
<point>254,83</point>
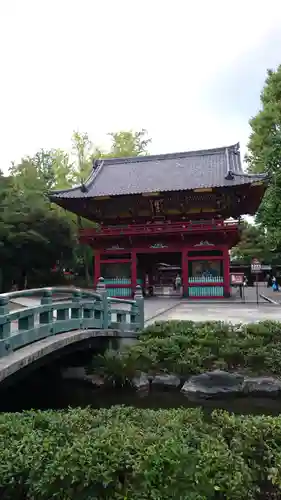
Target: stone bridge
<point>31,333</point>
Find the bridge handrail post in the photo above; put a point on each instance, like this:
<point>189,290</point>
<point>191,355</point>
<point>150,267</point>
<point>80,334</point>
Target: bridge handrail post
<point>5,326</point>
<point>101,289</point>
<point>138,296</point>
<point>47,297</point>
<point>134,315</point>
<point>46,317</point>
<point>76,312</point>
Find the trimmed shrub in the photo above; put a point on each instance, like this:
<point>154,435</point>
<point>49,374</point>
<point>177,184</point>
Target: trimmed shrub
<point>127,453</point>
<point>186,348</point>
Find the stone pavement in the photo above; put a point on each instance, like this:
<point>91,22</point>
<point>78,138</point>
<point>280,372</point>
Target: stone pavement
<point>234,313</point>
<point>274,296</point>
<point>156,306</point>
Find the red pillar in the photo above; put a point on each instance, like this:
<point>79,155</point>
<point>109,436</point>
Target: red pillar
<point>226,272</point>
<point>184,268</point>
<point>133,271</point>
<point>97,267</point>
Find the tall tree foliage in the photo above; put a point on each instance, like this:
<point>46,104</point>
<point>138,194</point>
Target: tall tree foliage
<point>35,234</point>
<point>129,143</point>
<point>53,168</point>
<point>82,149</point>
<point>253,243</point>
<point>265,153</point>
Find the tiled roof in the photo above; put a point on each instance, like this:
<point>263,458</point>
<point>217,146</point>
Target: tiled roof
<point>168,172</point>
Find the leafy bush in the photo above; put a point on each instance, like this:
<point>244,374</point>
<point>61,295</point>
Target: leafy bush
<point>186,347</point>
<point>117,368</point>
<point>127,453</point>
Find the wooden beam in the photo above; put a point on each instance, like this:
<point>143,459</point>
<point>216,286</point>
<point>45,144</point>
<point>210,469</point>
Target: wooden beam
<point>203,190</point>
<point>151,194</point>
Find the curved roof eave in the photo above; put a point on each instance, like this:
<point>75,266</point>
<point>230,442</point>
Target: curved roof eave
<point>83,188</point>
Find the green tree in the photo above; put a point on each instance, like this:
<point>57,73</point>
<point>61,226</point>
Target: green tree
<point>51,168</point>
<point>264,153</point>
<point>63,169</point>
<point>129,143</point>
<point>43,162</point>
<point>253,243</point>
<point>34,234</point>
<point>82,149</point>
<point>124,143</point>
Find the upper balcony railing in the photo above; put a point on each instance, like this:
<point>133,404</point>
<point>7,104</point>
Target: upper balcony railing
<point>159,228</point>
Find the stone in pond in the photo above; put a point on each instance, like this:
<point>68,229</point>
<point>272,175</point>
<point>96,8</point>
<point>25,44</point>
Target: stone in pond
<point>79,373</point>
<point>166,380</point>
<point>141,382</point>
<point>215,384</point>
<point>262,386</point>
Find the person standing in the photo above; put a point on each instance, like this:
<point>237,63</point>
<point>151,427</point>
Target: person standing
<point>275,286</point>
<point>178,282</point>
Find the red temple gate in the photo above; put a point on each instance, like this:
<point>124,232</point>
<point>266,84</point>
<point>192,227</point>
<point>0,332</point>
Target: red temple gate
<point>157,207</point>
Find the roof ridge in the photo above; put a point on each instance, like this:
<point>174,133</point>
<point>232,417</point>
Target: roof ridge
<point>234,163</point>
<point>96,169</point>
<point>251,175</point>
<point>167,156</point>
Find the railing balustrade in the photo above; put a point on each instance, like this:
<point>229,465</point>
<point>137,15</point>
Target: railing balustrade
<point>77,309</point>
<point>165,227</point>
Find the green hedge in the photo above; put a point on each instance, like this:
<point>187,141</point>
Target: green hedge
<point>126,453</point>
<point>186,347</point>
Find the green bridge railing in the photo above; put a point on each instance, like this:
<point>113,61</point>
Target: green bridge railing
<point>80,309</point>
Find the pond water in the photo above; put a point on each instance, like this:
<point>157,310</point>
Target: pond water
<point>68,393</point>
<point>75,394</point>
<point>44,390</point>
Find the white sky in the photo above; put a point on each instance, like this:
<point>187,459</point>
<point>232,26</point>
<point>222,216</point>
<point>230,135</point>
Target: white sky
<point>106,65</point>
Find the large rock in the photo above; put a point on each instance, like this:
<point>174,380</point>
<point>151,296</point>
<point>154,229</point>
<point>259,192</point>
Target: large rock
<point>166,380</point>
<point>262,386</point>
<point>215,384</point>
<point>141,382</point>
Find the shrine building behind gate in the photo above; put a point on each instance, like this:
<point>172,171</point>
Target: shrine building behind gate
<point>170,214</point>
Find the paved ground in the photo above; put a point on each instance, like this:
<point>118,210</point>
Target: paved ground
<point>275,296</point>
<point>251,294</point>
<point>155,307</point>
<point>234,313</point>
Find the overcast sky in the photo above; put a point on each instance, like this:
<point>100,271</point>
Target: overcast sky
<point>189,71</point>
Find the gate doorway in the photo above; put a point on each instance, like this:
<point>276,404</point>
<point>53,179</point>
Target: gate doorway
<point>160,273</point>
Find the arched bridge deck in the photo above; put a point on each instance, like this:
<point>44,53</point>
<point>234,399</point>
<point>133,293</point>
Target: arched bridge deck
<point>32,332</point>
